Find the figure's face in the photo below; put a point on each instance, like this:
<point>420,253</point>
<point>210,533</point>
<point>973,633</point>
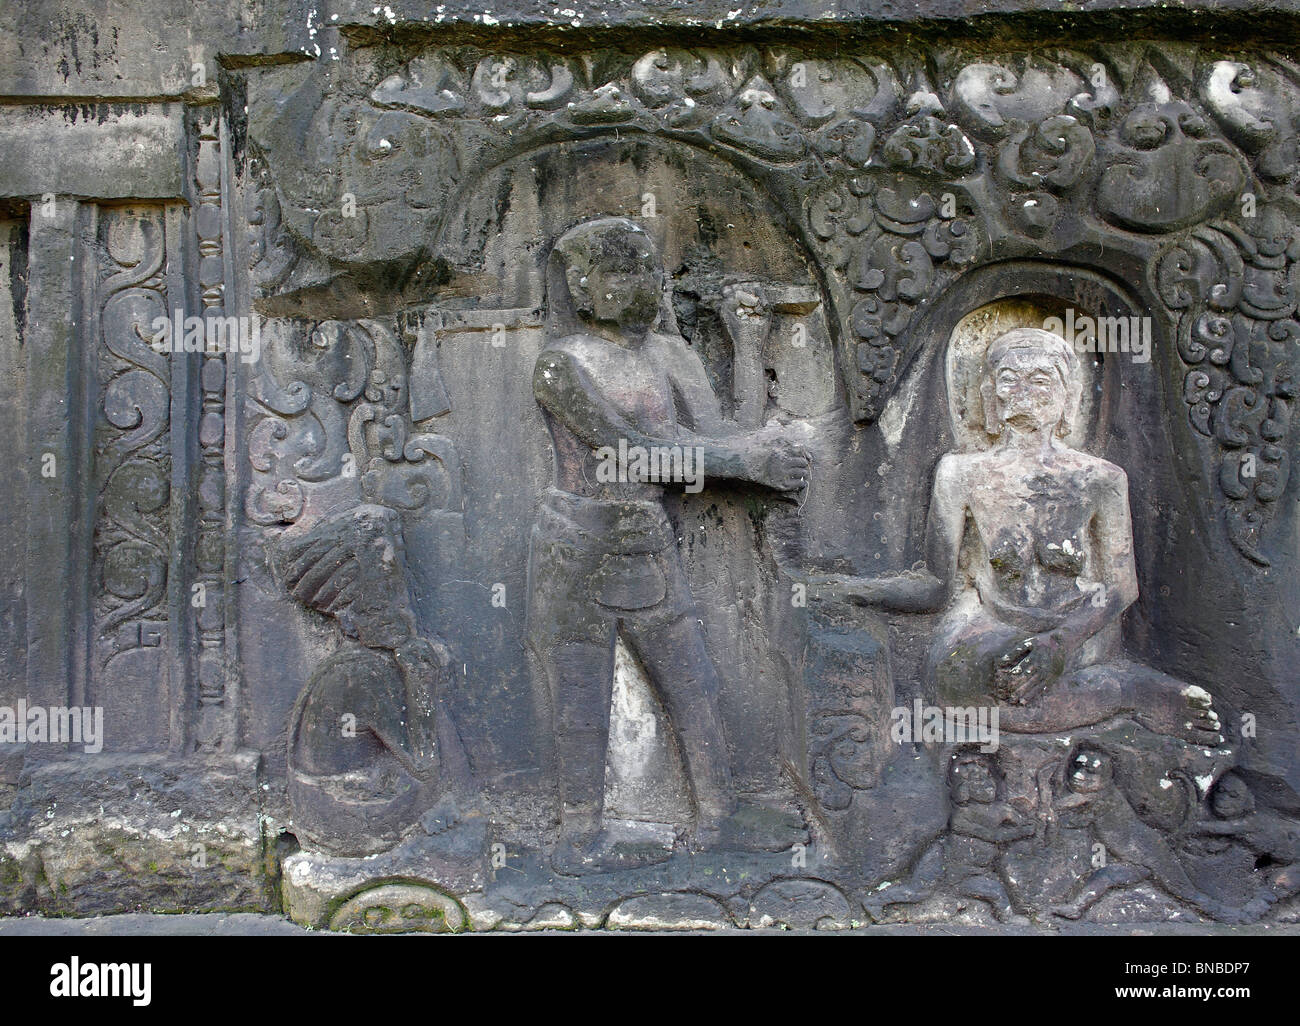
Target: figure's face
<point>1232,798</point>
<point>624,286</point>
<point>975,783</point>
<point>1028,390</point>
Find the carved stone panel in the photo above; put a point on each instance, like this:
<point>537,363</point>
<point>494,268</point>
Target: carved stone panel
<point>546,480</point>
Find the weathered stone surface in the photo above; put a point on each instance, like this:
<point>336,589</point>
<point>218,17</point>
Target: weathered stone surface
<point>126,833</point>
<point>802,903</point>
<point>316,887</point>
<point>671,911</point>
<point>114,151</point>
<point>651,467</point>
<point>399,908</point>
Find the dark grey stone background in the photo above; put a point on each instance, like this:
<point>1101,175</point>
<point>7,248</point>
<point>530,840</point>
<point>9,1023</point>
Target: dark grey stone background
<point>219,197</point>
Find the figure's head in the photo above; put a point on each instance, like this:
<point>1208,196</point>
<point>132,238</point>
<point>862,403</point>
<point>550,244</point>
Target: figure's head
<point>1089,770</point>
<point>612,271</point>
<point>1031,381</point>
<point>1231,797</point>
<point>972,778</point>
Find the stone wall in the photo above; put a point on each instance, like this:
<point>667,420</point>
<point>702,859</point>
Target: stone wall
<point>318,590</point>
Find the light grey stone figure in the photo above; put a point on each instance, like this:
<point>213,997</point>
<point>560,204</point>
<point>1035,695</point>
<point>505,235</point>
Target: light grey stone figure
<point>616,375</point>
<point>1030,557</point>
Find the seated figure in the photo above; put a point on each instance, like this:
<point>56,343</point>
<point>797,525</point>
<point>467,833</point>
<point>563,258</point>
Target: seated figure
<point>1082,794</point>
<point>1030,557</point>
<point>966,860</point>
<point>1272,839</point>
<point>367,752</point>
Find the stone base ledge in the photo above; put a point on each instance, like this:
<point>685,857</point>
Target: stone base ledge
<point>120,833</point>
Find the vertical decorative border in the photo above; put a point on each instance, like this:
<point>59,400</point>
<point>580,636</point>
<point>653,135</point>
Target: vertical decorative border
<point>131,536</point>
<point>236,298</point>
<point>212,727</point>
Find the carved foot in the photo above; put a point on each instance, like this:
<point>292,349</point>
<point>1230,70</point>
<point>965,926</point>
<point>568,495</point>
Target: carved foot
<point>583,853</point>
<point>754,828</point>
<point>879,905</point>
<point>1074,910</point>
<point>1251,912</point>
<point>1186,712</point>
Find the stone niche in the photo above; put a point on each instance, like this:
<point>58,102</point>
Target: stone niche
<point>502,476</point>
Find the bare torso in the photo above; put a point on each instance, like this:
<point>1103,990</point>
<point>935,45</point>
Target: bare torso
<point>1031,547</point>
<point>635,382</point>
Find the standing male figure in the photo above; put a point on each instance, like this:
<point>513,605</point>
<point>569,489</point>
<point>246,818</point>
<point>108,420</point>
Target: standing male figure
<point>603,559</point>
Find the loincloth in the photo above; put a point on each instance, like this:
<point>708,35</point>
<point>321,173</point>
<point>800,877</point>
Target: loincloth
<point>609,557</point>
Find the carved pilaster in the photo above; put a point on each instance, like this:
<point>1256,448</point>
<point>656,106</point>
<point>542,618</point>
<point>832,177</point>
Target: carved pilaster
<point>209,589</point>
